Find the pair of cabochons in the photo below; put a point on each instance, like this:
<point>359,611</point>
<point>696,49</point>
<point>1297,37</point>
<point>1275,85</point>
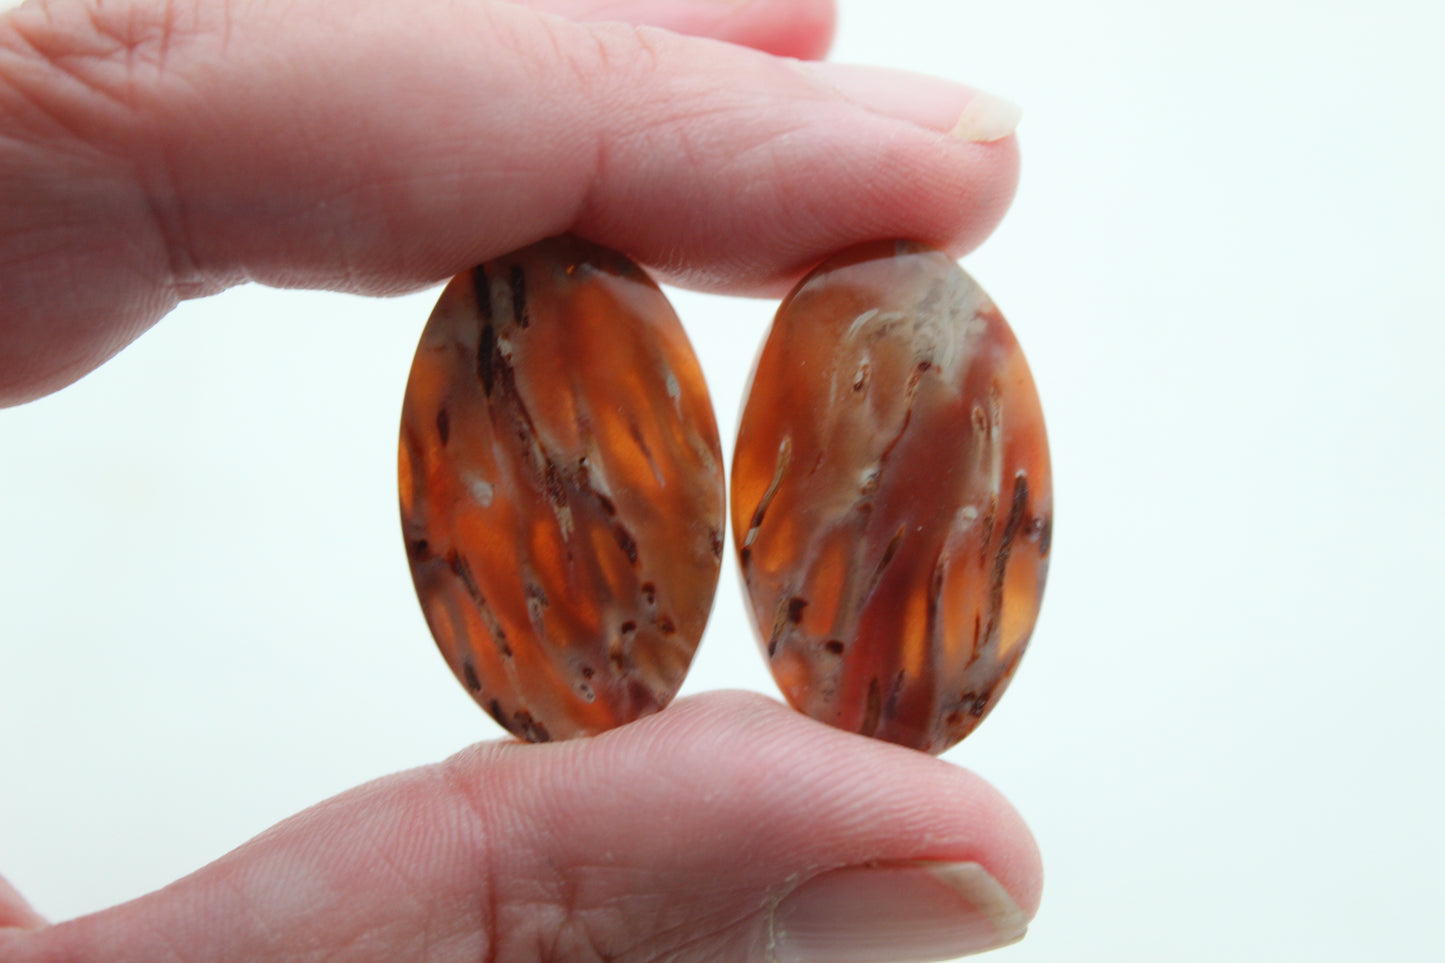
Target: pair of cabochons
<point>562,493</point>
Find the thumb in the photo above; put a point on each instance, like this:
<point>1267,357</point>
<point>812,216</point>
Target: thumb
<point>726,828</point>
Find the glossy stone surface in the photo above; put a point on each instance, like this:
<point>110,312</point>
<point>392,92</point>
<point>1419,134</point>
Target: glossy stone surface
<point>561,489</point>
<point>891,497</point>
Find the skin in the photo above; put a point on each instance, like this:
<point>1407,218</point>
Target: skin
<point>486,126</point>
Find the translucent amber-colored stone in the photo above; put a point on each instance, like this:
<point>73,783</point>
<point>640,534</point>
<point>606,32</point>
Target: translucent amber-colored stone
<point>561,489</point>
<point>891,497</point>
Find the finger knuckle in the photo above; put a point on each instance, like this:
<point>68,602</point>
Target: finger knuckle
<point>69,52</point>
<point>85,78</point>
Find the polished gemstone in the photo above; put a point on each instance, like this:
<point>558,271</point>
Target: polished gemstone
<point>891,499</point>
<point>561,489</point>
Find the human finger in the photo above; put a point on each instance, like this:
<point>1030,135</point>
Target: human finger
<point>726,828</point>
<point>167,151</point>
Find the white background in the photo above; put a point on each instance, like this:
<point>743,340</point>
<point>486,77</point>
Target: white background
<point>1225,264</point>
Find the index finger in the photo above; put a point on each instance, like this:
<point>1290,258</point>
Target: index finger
<point>382,147</point>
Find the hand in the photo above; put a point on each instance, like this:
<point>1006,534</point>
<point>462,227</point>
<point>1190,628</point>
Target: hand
<point>154,152</point>
<point>722,828</point>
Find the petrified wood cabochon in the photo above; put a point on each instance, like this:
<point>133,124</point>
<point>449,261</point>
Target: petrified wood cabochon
<point>891,498</point>
<point>561,489</point>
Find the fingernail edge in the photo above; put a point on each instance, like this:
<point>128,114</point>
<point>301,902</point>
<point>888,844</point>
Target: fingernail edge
<point>987,118</point>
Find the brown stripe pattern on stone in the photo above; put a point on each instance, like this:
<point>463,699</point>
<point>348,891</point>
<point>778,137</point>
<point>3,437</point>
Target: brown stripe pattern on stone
<point>891,497</point>
<point>561,489</point>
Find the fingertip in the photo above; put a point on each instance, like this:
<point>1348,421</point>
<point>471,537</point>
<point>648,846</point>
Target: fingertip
<point>953,204</point>
<point>962,816</point>
<point>998,171</point>
<point>737,771</point>
<point>1014,857</point>
<point>870,153</point>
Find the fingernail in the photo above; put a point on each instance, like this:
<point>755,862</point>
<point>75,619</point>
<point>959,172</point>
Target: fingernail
<point>940,105</point>
<point>987,118</point>
<point>895,913</point>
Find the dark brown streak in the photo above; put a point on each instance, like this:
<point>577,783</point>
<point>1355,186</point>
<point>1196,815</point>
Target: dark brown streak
<point>482,290</point>
<point>528,728</point>
<point>546,475</point>
<point>518,279</point>
<point>582,482</point>
<point>635,431</point>
<point>907,417</point>
<point>874,712</point>
<point>990,515</point>
<point>782,618</point>
<point>785,457</point>
<point>888,553</point>
<point>934,622</point>
<point>487,356</point>
<point>1045,534</point>
<point>1016,513</point>
<point>463,571</point>
<point>413,445</point>
<point>895,694</point>
<point>536,596</point>
<point>861,376</point>
<point>922,368</point>
<point>552,479</point>
<point>625,541</point>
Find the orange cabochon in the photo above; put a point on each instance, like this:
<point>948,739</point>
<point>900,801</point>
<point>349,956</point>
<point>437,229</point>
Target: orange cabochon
<point>891,497</point>
<point>561,489</point>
